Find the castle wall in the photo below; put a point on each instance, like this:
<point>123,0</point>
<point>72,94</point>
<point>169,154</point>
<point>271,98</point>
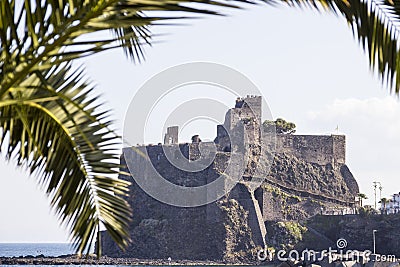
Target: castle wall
<point>248,112</point>
<point>207,232</point>
<point>249,106</point>
<point>339,148</point>
<point>320,149</point>
<point>171,137</point>
<point>201,150</point>
<point>306,171</point>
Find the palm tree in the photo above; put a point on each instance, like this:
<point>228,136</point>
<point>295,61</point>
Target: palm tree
<point>395,204</point>
<point>384,201</point>
<point>361,196</point>
<point>50,121</point>
<point>376,25</point>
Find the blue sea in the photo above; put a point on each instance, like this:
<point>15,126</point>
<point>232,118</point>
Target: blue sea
<point>47,249</point>
<point>35,249</point>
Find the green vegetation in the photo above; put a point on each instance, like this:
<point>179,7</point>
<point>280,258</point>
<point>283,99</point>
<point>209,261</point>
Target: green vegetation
<point>295,229</point>
<point>361,196</point>
<point>285,199</point>
<point>280,125</point>
<point>50,120</point>
<point>287,234</point>
<point>384,201</point>
<point>366,211</point>
<point>277,192</point>
<point>53,125</point>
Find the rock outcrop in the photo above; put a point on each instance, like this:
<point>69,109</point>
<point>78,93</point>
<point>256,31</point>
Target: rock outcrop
<point>357,231</point>
<point>306,176</point>
<point>227,230</point>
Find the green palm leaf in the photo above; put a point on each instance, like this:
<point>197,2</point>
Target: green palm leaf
<point>51,124</point>
<point>40,34</point>
<point>59,31</point>
<point>49,120</point>
<point>376,24</point>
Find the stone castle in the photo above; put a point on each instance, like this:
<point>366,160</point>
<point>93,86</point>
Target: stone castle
<point>306,175</point>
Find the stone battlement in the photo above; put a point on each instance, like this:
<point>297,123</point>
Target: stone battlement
<point>320,149</point>
<point>304,176</point>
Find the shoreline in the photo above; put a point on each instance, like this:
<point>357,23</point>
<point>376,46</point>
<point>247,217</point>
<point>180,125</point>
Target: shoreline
<point>92,260</point>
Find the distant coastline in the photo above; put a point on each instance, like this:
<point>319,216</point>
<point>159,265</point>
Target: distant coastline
<point>63,254</point>
<point>92,260</point>
<point>35,249</point>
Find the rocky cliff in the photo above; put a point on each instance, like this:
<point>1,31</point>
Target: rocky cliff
<point>228,230</point>
<point>357,231</point>
<point>322,232</point>
<point>302,175</point>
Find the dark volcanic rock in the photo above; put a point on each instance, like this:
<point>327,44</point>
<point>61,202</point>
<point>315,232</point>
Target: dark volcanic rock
<point>92,260</point>
<point>304,175</point>
<point>322,232</point>
<point>227,230</point>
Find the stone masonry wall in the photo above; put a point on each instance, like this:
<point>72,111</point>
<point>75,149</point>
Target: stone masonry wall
<point>220,230</point>
<point>306,173</point>
<point>320,149</point>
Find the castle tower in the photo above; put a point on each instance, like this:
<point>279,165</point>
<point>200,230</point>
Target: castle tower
<point>247,112</point>
<point>171,137</point>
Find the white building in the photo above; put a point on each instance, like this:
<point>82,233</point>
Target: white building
<point>391,207</point>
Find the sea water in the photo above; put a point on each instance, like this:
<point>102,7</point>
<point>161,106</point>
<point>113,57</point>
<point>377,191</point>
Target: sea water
<point>35,249</point>
<point>46,249</point>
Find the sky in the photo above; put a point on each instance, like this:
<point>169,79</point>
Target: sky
<point>307,65</point>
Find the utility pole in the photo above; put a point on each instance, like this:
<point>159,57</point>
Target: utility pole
<point>375,185</point>
<point>380,193</point>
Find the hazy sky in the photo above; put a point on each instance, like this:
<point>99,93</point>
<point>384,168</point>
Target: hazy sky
<point>307,65</point>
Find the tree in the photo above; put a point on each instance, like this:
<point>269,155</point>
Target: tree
<point>52,123</point>
<point>375,23</point>
<point>396,207</point>
<point>361,196</point>
<point>50,120</point>
<point>281,126</point>
<point>196,139</point>
<point>384,201</point>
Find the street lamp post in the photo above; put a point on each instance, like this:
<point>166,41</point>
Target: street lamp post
<point>380,191</point>
<point>373,236</point>
<point>375,186</point>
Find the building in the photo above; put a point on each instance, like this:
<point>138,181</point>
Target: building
<point>392,206</point>
<point>282,177</point>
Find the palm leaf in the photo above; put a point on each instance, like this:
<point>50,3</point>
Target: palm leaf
<point>40,34</point>
<point>49,122</point>
<point>376,25</point>
<point>51,125</point>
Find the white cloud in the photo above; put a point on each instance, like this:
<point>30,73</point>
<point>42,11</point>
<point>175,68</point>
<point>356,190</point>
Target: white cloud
<point>380,115</point>
<point>372,129</point>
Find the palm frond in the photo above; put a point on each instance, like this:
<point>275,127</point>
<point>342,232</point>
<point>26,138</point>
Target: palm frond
<point>376,25</point>
<point>48,120</point>
<point>51,124</point>
<point>40,34</point>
